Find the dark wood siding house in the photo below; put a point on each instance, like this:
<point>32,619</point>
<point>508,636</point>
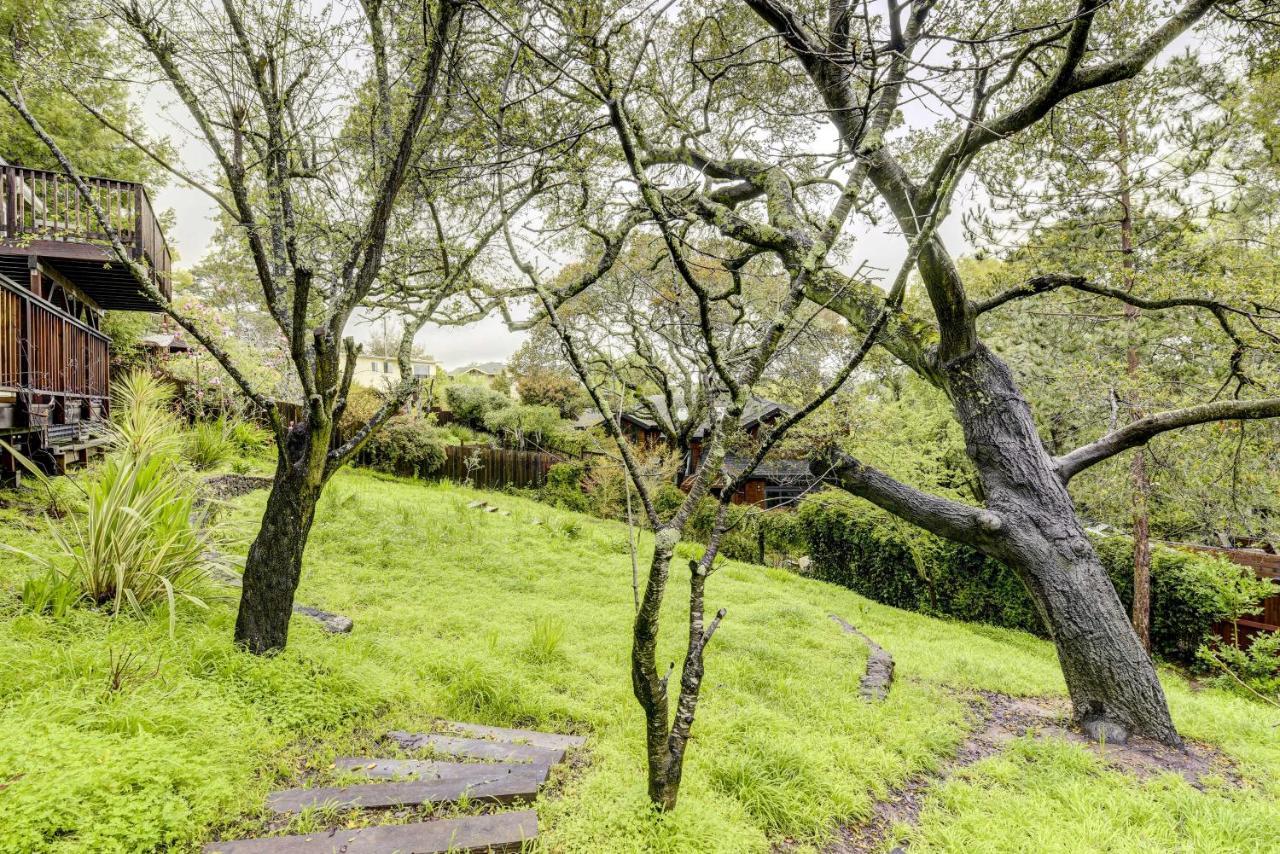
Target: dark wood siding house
<point>775,483</point>
<point>57,276</point>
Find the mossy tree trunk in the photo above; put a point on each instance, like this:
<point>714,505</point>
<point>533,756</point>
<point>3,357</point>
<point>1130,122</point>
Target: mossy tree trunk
<point>273,567</point>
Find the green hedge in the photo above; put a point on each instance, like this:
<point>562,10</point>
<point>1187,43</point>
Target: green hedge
<point>859,547</point>
<point>564,487</point>
<point>407,445</point>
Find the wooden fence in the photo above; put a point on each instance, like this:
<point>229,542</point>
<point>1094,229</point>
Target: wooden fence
<point>494,468</point>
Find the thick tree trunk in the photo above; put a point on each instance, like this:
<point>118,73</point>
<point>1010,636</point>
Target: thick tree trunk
<point>274,564</point>
<point>1111,679</point>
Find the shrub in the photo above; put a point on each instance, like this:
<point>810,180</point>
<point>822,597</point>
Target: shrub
<point>667,500</point>
<point>140,542</point>
<point>1252,672</point>
<point>464,435</point>
<point>542,387</point>
<point>740,541</point>
<point>362,404</point>
<point>247,437</point>
<point>534,428</point>
<point>208,444</point>
<point>471,403</point>
<point>408,445</point>
<point>882,558</point>
<point>564,487</point>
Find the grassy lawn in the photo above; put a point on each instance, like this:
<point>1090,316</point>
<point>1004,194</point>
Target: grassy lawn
<point>524,619</point>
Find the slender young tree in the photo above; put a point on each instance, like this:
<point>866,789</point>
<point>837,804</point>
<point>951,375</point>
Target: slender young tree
<point>343,185</point>
<point>703,320</point>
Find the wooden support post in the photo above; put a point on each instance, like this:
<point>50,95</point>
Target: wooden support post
<point>10,201</point>
<point>139,200</point>
<point>33,275</point>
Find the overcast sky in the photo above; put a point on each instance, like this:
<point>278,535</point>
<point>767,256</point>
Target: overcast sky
<point>489,340</point>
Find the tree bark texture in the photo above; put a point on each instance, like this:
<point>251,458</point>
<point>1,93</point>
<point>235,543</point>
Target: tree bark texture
<point>650,688</point>
<point>1110,676</point>
<point>273,567</point>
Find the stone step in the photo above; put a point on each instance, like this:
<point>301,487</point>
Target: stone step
<point>548,740</point>
<point>476,748</point>
<point>427,770</point>
<point>501,785</point>
<point>500,832</point>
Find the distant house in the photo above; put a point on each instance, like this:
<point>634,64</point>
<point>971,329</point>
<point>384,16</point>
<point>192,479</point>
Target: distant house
<point>480,370</point>
<point>383,372</point>
<point>774,483</point>
<point>161,343</point>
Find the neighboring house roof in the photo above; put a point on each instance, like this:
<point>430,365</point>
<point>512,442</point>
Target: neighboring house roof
<point>171,341</point>
<point>588,419</point>
<point>774,471</point>
<point>489,369</point>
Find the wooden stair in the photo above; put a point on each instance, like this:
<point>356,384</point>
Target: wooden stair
<point>510,766</point>
<point>506,831</point>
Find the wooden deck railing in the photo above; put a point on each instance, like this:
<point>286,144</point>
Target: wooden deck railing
<point>36,204</point>
<point>45,351</point>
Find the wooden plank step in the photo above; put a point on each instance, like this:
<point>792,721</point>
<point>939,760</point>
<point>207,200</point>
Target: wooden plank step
<point>476,748</point>
<point>500,832</point>
<point>549,740</point>
<point>426,770</point>
<point>502,785</point>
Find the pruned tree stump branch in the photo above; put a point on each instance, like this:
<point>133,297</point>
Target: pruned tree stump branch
<point>875,682</point>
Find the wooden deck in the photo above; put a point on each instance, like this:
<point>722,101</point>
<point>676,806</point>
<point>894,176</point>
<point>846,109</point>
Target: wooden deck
<point>43,216</point>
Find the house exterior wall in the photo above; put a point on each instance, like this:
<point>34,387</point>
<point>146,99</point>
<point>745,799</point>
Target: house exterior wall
<point>383,372</point>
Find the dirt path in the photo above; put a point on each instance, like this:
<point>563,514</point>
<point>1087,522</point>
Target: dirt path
<point>999,719</point>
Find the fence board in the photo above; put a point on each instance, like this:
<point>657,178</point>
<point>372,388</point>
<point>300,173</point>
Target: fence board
<point>497,467</point>
<point>1267,619</point>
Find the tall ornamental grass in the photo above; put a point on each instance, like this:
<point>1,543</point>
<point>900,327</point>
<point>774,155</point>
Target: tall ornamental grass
<point>142,419</point>
<point>209,444</point>
<point>140,540</point>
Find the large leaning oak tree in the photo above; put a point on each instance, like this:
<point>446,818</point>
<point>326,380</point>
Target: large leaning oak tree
<point>353,153</point>
<point>740,114</point>
<point>1002,73</point>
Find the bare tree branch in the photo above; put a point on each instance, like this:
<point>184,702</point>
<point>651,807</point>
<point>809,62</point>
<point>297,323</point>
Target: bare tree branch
<point>1144,429</point>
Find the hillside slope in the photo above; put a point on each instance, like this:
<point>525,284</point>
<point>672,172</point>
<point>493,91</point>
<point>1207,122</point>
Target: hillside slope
<point>524,619</point>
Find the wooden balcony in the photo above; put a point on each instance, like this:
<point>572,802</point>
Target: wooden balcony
<point>43,216</point>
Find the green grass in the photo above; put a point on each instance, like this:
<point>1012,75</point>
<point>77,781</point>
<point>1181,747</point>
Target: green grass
<point>524,620</point>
